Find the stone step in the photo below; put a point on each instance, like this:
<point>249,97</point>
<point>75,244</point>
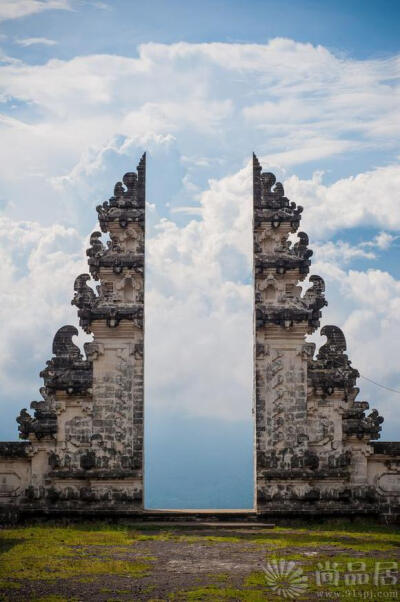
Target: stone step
<point>213,524</point>
<point>206,517</point>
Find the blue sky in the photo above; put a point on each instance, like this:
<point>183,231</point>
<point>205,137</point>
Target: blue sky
<point>312,87</point>
<point>359,28</point>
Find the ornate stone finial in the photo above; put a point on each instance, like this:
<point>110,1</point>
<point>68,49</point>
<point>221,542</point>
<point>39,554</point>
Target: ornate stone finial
<point>356,423</point>
<point>44,423</point>
<point>301,247</point>
<point>96,246</point>
<point>128,203</point>
<point>67,370</point>
<point>316,293</point>
<point>118,190</point>
<point>24,421</point>
<point>315,298</point>
<point>84,295</point>
<point>270,203</point>
<point>268,180</point>
<point>335,345</point>
<point>63,345</point>
<point>130,181</point>
<point>256,181</point>
<point>141,184</point>
<point>332,370</point>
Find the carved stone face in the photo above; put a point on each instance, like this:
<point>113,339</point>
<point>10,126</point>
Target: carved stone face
<point>127,239</point>
<point>268,240</point>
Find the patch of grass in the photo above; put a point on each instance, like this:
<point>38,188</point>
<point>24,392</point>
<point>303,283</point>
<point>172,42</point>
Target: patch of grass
<point>356,541</point>
<point>217,594</point>
<point>349,536</point>
<point>223,577</point>
<point>166,535</point>
<point>255,579</point>
<point>54,553</point>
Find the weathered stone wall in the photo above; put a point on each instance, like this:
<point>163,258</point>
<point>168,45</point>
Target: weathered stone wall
<point>15,470</point>
<point>314,441</point>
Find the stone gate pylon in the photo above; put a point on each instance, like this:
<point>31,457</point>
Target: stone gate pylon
<point>315,448</point>
<point>84,444</point>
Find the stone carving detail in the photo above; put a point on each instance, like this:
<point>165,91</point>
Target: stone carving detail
<point>309,426</point>
<point>121,293</point>
<point>270,203</point>
<point>389,483</point>
<point>332,367</point>
<point>90,420</point>
<point>127,205</point>
<point>67,370</point>
<point>44,421</point>
<point>355,422</point>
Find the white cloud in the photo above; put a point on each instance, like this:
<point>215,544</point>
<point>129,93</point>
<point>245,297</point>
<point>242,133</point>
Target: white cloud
<point>168,117</point>
<point>383,240</point>
<point>202,307</point>
<point>340,252</point>
<point>367,199</point>
<point>14,9</point>
<point>295,101</point>
<point>38,267</point>
<point>31,41</point>
<point>366,306</point>
<point>200,107</point>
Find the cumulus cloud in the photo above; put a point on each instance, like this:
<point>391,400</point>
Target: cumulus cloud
<point>367,199</point>
<point>38,265</point>
<point>383,240</point>
<point>341,252</point>
<point>207,297</point>
<point>292,102</point>
<point>202,306</point>
<point>366,306</point>
<point>199,109</point>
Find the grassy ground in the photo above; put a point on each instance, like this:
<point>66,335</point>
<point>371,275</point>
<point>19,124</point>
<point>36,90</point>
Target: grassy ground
<point>126,562</point>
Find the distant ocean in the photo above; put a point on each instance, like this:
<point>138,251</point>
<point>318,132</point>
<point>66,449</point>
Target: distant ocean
<point>197,462</point>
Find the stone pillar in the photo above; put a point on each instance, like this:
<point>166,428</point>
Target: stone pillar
<point>282,318</point>
<point>115,316</point>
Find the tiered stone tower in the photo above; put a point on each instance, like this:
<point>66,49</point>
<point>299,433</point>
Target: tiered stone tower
<point>314,449</point>
<point>86,436</point>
